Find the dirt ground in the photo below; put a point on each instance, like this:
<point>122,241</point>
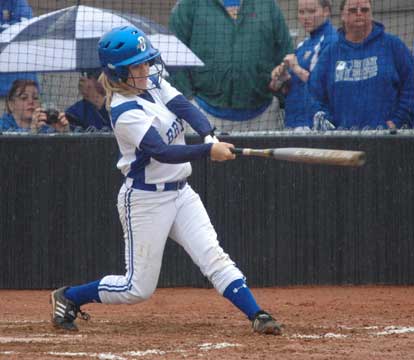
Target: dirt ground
<point>320,323</point>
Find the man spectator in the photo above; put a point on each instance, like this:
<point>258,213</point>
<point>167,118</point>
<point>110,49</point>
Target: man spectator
<point>366,79</point>
<point>11,12</point>
<point>240,42</point>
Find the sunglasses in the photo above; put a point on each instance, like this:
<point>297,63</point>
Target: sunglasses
<point>362,10</point>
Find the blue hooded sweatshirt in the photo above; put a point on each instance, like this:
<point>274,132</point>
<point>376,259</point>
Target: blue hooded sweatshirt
<point>299,103</point>
<point>362,85</point>
<point>8,123</point>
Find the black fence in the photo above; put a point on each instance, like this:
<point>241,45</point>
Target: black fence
<point>283,223</point>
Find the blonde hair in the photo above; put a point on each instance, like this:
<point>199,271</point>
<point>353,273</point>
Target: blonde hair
<point>113,87</point>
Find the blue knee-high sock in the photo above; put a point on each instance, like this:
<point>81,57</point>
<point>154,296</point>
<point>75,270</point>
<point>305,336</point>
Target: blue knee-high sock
<point>83,294</point>
<point>241,296</point>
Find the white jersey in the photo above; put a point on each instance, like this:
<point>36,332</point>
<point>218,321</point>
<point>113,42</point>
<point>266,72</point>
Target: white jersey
<point>131,118</point>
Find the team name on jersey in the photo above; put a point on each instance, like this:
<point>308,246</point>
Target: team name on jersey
<point>177,127</point>
<point>356,70</point>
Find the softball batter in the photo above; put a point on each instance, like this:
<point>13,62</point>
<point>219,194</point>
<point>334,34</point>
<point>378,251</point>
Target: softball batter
<point>156,202</point>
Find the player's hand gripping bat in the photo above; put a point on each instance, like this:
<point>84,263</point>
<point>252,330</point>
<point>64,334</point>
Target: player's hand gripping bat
<point>308,155</point>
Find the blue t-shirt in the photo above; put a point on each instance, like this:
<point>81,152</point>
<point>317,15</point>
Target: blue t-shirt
<point>300,105</point>
<point>362,85</point>
<point>11,12</point>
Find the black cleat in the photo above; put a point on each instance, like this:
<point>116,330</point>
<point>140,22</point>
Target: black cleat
<point>64,311</point>
<point>263,323</point>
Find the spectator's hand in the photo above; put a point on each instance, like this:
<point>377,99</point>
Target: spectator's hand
<point>279,76</point>
<point>63,124</point>
<point>279,71</point>
<point>221,152</point>
<point>390,124</point>
<point>39,118</point>
<point>291,62</point>
<point>92,91</point>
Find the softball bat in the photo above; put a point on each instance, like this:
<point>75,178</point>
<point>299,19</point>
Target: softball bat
<point>308,155</point>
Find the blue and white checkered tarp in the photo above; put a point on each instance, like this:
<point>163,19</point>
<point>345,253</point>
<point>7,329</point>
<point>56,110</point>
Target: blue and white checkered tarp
<point>66,40</point>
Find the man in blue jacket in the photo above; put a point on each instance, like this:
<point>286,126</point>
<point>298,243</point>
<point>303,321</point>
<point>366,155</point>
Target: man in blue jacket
<point>11,12</point>
<point>366,79</point>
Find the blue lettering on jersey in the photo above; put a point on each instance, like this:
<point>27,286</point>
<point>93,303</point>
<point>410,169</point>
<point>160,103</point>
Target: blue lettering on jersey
<point>176,128</point>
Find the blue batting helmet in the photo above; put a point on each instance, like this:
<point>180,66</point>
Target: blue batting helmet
<point>124,46</point>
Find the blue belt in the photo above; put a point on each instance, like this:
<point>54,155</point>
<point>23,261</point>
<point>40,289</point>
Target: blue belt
<point>176,185</point>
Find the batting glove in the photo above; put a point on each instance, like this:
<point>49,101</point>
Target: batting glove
<point>211,139</point>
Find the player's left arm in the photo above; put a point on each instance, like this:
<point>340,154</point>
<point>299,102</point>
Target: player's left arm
<point>184,109</point>
<point>404,64</point>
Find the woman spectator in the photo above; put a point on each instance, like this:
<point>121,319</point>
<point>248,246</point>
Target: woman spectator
<point>24,113</point>
<point>366,79</point>
<point>293,74</point>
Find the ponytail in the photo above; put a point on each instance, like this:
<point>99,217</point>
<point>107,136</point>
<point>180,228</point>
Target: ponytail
<point>111,88</point>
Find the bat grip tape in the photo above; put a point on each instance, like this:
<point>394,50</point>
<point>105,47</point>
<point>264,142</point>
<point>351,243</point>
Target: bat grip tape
<point>237,151</point>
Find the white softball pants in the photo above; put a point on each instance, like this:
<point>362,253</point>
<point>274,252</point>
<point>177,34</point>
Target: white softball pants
<point>148,219</point>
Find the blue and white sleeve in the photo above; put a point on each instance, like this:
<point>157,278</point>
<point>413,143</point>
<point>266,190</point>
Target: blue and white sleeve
<point>178,104</point>
<point>184,109</point>
<point>154,146</point>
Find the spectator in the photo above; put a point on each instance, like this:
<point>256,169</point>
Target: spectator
<point>90,112</point>
<point>24,114</point>
<point>240,42</point>
<point>11,12</point>
<point>293,74</point>
<point>366,79</point>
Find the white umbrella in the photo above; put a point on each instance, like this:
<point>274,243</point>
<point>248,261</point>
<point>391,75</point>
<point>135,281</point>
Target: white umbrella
<point>66,40</point>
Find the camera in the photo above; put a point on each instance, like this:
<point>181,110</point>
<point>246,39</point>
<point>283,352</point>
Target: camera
<point>52,116</point>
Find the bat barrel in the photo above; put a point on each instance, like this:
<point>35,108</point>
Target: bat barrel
<point>308,155</point>
<point>321,156</point>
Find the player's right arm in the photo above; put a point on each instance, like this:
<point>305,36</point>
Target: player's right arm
<point>134,127</point>
<point>154,146</point>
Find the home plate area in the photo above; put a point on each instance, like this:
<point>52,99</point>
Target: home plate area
<point>186,323</point>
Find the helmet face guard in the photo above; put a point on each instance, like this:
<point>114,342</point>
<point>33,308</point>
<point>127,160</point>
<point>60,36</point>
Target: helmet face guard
<point>155,75</point>
<point>125,46</point>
